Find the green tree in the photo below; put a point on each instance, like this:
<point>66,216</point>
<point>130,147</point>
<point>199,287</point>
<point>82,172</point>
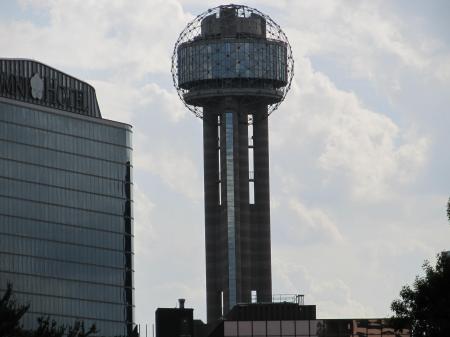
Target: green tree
<point>425,306</point>
<point>47,328</point>
<point>78,330</point>
<point>10,314</point>
<point>50,328</point>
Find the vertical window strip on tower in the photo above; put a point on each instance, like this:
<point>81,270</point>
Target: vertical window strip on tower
<point>231,223</point>
<point>251,165</point>
<point>219,161</point>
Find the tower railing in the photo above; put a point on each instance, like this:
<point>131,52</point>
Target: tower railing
<point>289,298</point>
<point>282,298</point>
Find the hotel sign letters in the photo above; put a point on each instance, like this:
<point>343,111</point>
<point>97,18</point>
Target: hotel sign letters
<point>42,90</point>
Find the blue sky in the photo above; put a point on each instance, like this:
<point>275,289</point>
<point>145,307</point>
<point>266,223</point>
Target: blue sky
<point>358,151</point>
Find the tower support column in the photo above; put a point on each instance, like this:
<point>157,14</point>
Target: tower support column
<point>237,233</point>
<point>260,211</point>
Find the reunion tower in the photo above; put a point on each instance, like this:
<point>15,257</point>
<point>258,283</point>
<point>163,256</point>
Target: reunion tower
<point>232,66</point>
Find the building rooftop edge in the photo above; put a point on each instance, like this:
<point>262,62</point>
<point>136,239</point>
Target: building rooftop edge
<point>45,64</point>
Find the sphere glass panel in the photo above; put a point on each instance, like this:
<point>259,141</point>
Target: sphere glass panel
<point>237,58</point>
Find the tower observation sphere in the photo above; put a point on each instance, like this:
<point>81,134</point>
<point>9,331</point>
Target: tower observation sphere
<point>232,66</point>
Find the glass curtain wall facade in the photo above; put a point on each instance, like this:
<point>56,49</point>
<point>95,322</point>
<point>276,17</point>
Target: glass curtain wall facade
<point>66,222</point>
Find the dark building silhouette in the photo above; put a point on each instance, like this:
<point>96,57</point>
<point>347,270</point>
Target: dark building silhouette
<point>66,225</point>
<point>175,322</point>
<point>232,66</point>
<point>285,319</point>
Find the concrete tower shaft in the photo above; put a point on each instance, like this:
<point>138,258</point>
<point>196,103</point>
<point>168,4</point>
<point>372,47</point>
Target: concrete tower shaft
<point>232,66</point>
<point>237,205</point>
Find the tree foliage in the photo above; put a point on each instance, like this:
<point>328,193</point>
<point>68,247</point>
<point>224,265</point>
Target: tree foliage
<point>49,328</point>
<point>425,306</point>
<point>11,312</point>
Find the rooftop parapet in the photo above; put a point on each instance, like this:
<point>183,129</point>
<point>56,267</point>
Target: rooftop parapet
<point>33,82</point>
<point>228,23</point>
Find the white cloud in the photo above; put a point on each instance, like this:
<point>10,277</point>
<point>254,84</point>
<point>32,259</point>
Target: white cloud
<point>365,36</point>
<point>128,38</point>
<point>143,222</point>
<point>172,160</point>
<point>347,139</point>
<point>333,297</point>
<point>116,101</point>
<point>166,101</point>
<point>176,169</point>
<point>314,220</point>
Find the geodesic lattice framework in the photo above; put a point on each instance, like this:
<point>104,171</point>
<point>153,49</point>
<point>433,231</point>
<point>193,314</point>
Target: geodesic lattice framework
<point>192,32</point>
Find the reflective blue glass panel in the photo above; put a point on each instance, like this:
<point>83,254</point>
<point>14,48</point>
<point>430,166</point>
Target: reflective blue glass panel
<point>231,59</point>
<point>231,219</point>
